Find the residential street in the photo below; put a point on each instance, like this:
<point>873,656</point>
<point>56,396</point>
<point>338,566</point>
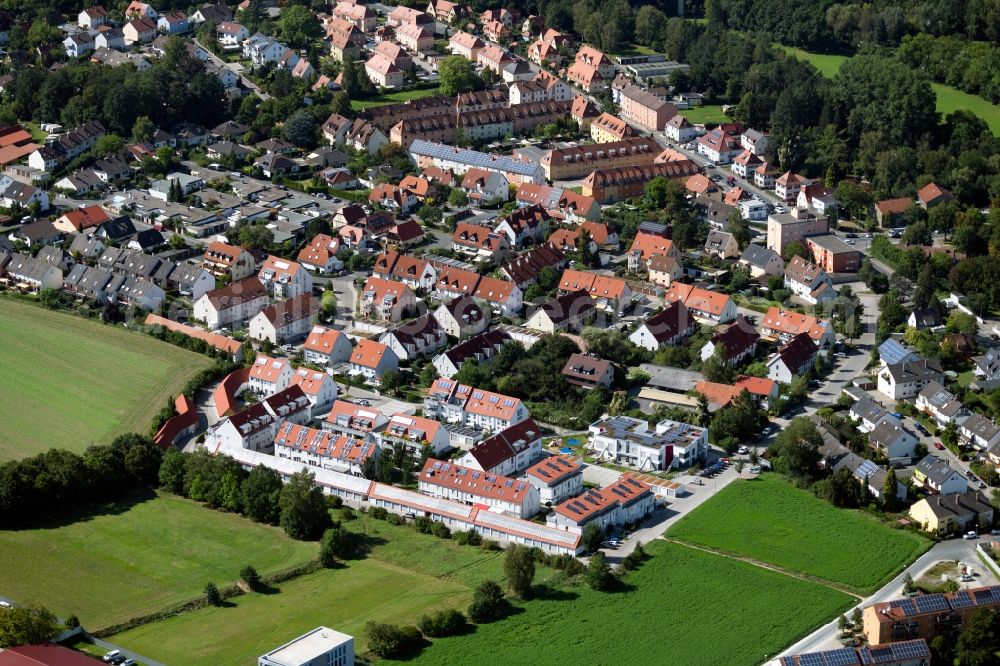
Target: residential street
<point>236,69</point>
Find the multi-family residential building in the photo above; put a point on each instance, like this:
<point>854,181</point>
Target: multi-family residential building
<point>323,448</point>
<point>326,346</point>
<point>371,360</point>
<point>460,160</point>
<point>629,441</point>
<point>617,184</point>
<point>416,338</point>
<point>386,300</point>
<point>508,452</point>
<point>557,478</point>
<point>459,403</point>
<point>925,616</point>
<point>255,427</point>
<point>788,184</point>
<point>905,380</point>
<point>481,348</point>
<point>833,254</point>
<point>794,226</point>
<point>668,327</point>
<point>609,293</point>
<point>461,317</point>
<point>624,501</point>
<point>466,45</point>
<point>808,281</point>
<point>578,161</point>
<point>646,110</point>
<point>414,433</point>
<point>736,343</point>
<point>706,306</point>
<point>783,325</point>
<point>283,278</point>
<point>466,485</point>
<point>285,320</point>
<point>232,305</point>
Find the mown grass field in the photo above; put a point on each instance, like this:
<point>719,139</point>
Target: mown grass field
<point>71,382</point>
<point>138,559</point>
<point>685,607</point>
<point>633,50</point>
<point>948,99</point>
<point>405,575</point>
<point>709,113</point>
<point>393,97</point>
<point>769,520</point>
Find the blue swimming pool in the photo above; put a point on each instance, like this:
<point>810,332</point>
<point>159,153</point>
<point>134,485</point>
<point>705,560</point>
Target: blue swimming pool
<point>566,449</point>
<point>572,441</point>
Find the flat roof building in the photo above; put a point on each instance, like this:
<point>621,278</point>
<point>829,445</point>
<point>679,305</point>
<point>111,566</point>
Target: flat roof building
<point>320,647</point>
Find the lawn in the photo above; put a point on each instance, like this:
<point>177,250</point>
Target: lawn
<point>633,50</point>
<point>405,575</point>
<point>708,113</point>
<point>72,382</point>
<point>948,99</point>
<point>394,97</point>
<point>138,559</point>
<point>685,607</point>
<point>769,520</point>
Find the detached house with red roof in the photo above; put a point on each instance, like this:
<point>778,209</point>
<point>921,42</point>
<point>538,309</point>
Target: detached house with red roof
<point>326,346</point>
<point>783,325</point>
<point>510,451</point>
<point>480,243</point>
<point>461,317</point>
<point>586,77</point>
<point>485,186</point>
<point>80,219</point>
<point>221,259</point>
<point>645,246</point>
<point>788,185</point>
<point>318,387</point>
<point>386,300</point>
<point>504,298</point>
<point>610,293</point>
<point>269,375</point>
<point>667,327</point>
<point>720,146</point>
<point>515,497</point>
<point>283,278</point>
<point>706,306</point>
<point>393,197</point>
<point>932,194</point>
<point>320,254</point>
<point>371,360</point>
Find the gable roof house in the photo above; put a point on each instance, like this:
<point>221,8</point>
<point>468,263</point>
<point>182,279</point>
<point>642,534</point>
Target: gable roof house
<point>326,346</point>
<point>808,281</point>
<point>783,325</point>
<point>894,441</point>
<point>524,269</point>
<point>566,312</point>
<point>738,341</point>
<point>668,327</point>
<point>372,359</point>
<point>762,261</point>
<point>454,282</point>
<point>932,194</point>
<point>461,317</point>
<point>936,474</point>
<point>610,293</point>
<point>513,497</point>
<point>29,272</point>
<point>869,414</point>
<point>480,243</point>
<point>646,245</point>
<point>285,320</point>
<point>231,305</point>
<point>706,306</point>
<point>905,380</point>
<point>480,348</point>
<point>525,225</point>
<point>503,297</point>
<point>980,433</point>
<point>924,318</point>
<point>414,272</point>
<point>222,259</point>
<point>941,405</point>
<point>386,300</point>
<point>510,451</point>
<point>419,337</point>
<point>588,372</point>
<point>796,357</point>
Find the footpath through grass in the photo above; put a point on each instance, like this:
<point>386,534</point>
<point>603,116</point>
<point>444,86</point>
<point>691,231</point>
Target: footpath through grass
<point>948,99</point>
<point>72,382</point>
<point>684,606</point>
<point>137,559</point>
<point>405,575</point>
<point>769,520</point>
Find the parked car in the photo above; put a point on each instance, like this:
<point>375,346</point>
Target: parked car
<point>939,446</point>
<point>971,536</point>
<point>111,655</point>
<point>610,544</point>
<point>743,450</point>
<point>128,662</point>
<point>363,403</point>
<point>966,578</point>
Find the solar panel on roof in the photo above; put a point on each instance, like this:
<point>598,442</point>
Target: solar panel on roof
<point>931,603</point>
<point>811,659</point>
<point>867,469</point>
<point>842,657</point>
<point>880,655</point>
<point>961,600</point>
<point>910,650</point>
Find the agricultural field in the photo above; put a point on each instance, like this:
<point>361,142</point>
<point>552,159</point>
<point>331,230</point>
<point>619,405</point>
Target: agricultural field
<point>769,520</point>
<point>405,575</point>
<point>684,606</point>
<point>139,558</point>
<point>393,97</point>
<point>72,382</point>
<point>948,99</point>
<point>708,113</point>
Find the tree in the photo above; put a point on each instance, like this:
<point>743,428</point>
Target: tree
<point>795,249</point>
<point>249,575</point>
<point>172,471</point>
<point>488,603</point>
<point>796,448</point>
<point>739,227</point>
<point>50,298</point>
<point>592,537</point>
<point>448,622</point>
<point>299,26</point>
<point>303,510</point>
<point>391,382</point>
<point>26,625</point>
<point>889,490</point>
<point>301,129</point>
<point>599,573</point>
<point>717,368</point>
<point>519,568</point>
<point>457,197</point>
<point>457,75</point>
<point>979,642</point>
<point>328,304</point>
<point>261,493</point>
<point>212,594</point>
<point>143,129</point>
<point>255,237</point>
<point>337,544</point>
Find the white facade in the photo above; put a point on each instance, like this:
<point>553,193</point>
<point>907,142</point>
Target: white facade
<point>320,647</point>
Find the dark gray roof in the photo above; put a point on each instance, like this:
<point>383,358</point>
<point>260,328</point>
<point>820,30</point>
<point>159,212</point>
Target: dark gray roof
<point>758,255</point>
<point>958,504</point>
<point>892,351</point>
<point>937,470</point>
<point>473,158</point>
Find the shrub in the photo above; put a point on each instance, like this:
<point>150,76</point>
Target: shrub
<point>72,622</point>
<point>212,594</point>
<point>395,519</point>
<point>336,544</point>
<point>423,524</point>
<point>250,576</point>
<point>334,501</point>
<point>489,546</point>
<point>379,513</point>
<point>448,622</point>
<point>599,573</point>
<point>470,538</point>
<point>574,567</point>
<point>441,530</point>
<point>488,603</point>
<point>389,641</point>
